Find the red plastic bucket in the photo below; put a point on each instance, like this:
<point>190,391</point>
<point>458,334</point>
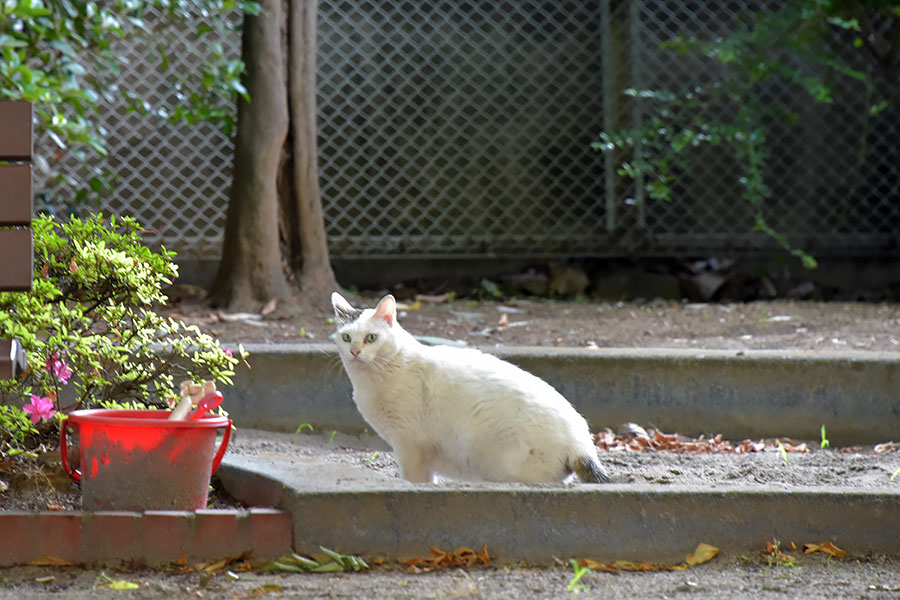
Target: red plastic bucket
<point>138,460</point>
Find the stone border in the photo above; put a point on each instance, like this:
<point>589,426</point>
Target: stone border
<point>398,519</point>
<point>150,538</point>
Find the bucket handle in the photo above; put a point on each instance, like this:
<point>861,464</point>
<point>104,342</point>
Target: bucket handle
<point>222,447</point>
<point>75,474</point>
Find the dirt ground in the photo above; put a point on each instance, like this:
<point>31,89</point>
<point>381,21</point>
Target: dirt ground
<point>747,576</point>
<point>777,324</point>
<point>812,466</point>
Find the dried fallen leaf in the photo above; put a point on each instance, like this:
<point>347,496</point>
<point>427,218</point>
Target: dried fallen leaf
<point>216,566</point>
<point>627,565</point>
<point>439,559</point>
<point>703,553</point>
<point>414,306</point>
<point>657,441</point>
<point>503,321</point>
<point>593,565</point>
<point>633,430</point>
<point>45,560</point>
<point>825,547</point>
<point>774,550</point>
<point>269,307</point>
<point>436,299</point>
<point>885,447</point>
<point>244,567</point>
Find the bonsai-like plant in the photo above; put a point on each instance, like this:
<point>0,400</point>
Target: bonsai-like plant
<point>90,329</point>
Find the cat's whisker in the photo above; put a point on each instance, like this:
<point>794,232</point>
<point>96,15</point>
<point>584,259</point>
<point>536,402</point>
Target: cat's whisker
<point>334,364</point>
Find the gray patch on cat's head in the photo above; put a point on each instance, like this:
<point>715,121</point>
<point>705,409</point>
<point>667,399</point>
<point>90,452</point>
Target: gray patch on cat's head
<point>343,312</point>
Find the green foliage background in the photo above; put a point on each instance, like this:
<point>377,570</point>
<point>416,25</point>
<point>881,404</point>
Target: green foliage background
<point>61,55</point>
<point>796,44</point>
<point>91,305</point>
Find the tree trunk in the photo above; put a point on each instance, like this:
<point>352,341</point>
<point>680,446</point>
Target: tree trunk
<point>274,232</point>
<point>316,276</point>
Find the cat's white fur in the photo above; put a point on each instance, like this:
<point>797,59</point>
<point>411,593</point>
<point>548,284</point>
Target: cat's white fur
<point>458,412</point>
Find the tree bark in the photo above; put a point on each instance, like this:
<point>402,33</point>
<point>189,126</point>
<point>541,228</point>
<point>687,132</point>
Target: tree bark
<point>275,231</point>
<point>309,241</point>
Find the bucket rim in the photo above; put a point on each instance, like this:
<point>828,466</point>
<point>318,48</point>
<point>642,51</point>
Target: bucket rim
<point>142,418</point>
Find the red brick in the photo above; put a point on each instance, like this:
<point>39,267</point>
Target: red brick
<point>111,537</point>
<point>217,534</point>
<point>167,535</point>
<point>270,533</point>
<point>59,535</point>
<point>16,537</point>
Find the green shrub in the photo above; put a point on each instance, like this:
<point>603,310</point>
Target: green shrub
<point>89,327</point>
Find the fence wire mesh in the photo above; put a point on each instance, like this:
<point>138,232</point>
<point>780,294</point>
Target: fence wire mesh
<point>464,128</point>
<point>831,169</point>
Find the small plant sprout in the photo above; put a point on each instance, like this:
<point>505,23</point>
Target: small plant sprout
<point>825,443</point>
<point>331,437</point>
<point>894,476</point>
<point>372,458</point>
<point>575,586</point>
<point>783,451</point>
<point>303,427</point>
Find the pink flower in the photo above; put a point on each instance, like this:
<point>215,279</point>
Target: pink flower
<point>39,409</point>
<point>228,353</point>
<point>59,369</point>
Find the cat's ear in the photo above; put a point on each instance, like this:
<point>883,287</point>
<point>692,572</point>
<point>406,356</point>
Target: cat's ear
<point>386,309</point>
<point>343,312</point>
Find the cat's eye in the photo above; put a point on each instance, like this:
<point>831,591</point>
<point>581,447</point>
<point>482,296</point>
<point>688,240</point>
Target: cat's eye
<point>370,338</point>
<point>346,337</point>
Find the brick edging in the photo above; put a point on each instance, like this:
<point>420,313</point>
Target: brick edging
<point>148,538</point>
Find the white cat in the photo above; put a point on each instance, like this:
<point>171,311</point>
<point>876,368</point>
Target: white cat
<point>458,412</point>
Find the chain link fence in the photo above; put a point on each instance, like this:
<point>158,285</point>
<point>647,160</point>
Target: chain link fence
<point>832,170</point>
<point>464,128</point>
<point>173,178</point>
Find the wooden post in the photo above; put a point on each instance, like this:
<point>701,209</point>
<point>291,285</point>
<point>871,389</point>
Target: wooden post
<point>16,242</point>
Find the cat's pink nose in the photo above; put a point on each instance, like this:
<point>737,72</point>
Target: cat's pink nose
<point>355,352</point>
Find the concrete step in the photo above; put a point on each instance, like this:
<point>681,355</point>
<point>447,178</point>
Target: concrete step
<point>374,513</point>
<point>741,394</point>
<point>746,394</point>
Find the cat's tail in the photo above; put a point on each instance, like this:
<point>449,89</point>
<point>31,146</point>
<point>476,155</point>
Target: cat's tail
<point>589,470</point>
